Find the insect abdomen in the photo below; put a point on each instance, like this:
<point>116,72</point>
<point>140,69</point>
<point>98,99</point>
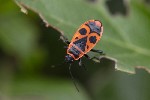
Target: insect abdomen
<point>75,52</point>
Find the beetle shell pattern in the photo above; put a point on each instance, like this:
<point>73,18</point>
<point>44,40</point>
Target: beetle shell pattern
<point>85,38</point>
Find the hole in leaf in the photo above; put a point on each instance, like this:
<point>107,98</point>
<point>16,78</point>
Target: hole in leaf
<point>117,7</point>
<point>147,1</point>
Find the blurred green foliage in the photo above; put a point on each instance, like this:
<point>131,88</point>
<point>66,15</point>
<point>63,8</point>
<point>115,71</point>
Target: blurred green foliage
<point>30,54</point>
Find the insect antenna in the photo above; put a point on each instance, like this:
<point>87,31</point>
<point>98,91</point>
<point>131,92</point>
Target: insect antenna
<point>73,78</point>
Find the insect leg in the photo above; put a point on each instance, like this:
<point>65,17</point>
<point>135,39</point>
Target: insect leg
<point>73,78</point>
<point>90,57</point>
<point>81,64</point>
<point>64,39</point>
<point>98,51</point>
<point>66,47</point>
<point>67,42</point>
<point>87,56</point>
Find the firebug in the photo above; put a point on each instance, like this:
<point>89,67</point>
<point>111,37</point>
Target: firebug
<point>83,41</point>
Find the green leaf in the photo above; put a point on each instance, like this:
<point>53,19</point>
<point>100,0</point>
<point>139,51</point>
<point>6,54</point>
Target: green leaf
<point>125,39</point>
<point>17,34</point>
<point>36,88</point>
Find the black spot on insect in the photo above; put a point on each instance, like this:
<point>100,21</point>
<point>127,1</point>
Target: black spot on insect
<point>81,43</point>
<point>83,31</point>
<point>87,46</point>
<point>93,39</point>
<point>76,38</point>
